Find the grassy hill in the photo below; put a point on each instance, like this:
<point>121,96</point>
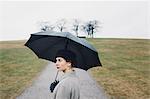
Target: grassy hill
<point>124,75</point>
<point>126,67</point>
<point>18,67</point>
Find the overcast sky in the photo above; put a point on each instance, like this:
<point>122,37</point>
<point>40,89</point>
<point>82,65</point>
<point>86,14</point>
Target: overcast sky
<point>120,19</point>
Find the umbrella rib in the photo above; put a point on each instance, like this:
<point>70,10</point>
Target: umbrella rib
<point>51,46</point>
<point>66,38</point>
<point>37,39</point>
<point>82,58</point>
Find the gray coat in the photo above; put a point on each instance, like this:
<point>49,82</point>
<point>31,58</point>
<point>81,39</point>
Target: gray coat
<point>68,87</point>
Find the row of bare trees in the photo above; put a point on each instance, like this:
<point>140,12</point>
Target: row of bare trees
<point>89,27</point>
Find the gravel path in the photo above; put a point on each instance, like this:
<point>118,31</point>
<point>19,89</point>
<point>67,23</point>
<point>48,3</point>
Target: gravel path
<point>40,87</point>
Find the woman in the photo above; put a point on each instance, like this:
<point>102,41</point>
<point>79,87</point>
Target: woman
<point>68,86</point>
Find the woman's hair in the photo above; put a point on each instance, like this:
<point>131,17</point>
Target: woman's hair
<point>68,55</point>
<point>72,62</point>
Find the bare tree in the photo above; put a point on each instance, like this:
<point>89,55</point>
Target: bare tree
<point>76,26</point>
<point>46,26</point>
<point>60,24</point>
<point>91,27</point>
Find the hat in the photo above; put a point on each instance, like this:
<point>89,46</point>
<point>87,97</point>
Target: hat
<point>67,55</point>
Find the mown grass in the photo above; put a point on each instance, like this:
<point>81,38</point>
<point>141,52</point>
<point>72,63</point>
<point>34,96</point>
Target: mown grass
<point>18,67</point>
<point>124,75</point>
<point>126,67</point>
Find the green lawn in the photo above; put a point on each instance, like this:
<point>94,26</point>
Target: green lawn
<point>124,75</point>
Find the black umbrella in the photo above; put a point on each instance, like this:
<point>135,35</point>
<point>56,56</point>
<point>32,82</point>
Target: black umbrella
<point>46,44</point>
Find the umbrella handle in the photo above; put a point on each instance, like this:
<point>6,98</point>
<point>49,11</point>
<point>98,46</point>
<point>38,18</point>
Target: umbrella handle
<point>56,75</point>
<point>54,84</point>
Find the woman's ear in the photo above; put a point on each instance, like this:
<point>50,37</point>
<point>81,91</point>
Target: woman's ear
<point>69,64</point>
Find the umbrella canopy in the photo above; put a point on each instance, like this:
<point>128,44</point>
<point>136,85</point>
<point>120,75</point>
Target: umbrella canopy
<point>46,44</point>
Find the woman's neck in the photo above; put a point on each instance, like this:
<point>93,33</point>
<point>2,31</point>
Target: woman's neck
<point>68,70</point>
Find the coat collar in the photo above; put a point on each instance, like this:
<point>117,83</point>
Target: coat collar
<point>68,74</point>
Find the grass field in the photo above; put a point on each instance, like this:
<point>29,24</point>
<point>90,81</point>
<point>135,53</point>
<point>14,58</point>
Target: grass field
<point>18,67</point>
<point>124,75</point>
<point>126,67</point>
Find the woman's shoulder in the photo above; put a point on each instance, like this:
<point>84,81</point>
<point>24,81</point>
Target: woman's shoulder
<point>72,79</point>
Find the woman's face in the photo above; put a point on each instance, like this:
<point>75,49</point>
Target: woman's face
<point>61,64</point>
